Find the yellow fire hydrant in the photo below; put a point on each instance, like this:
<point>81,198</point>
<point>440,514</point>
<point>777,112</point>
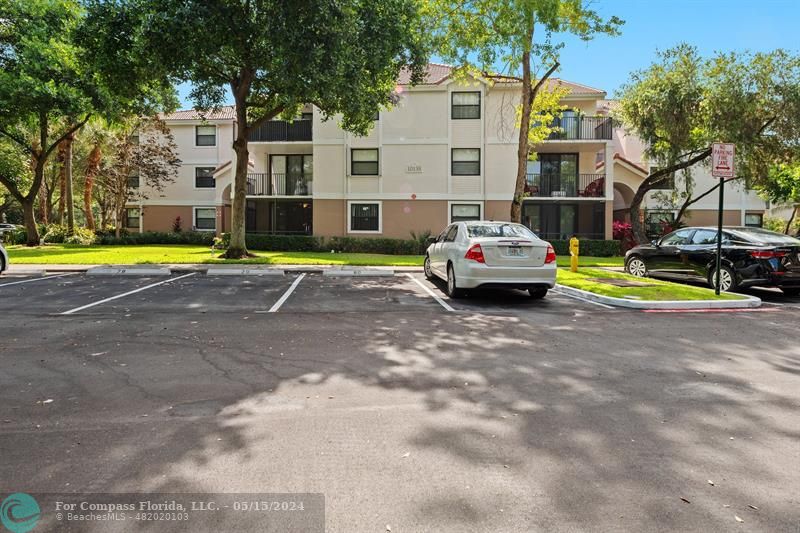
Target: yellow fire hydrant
<point>574,250</point>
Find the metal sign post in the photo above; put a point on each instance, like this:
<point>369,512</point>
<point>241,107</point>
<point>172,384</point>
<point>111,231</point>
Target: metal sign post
<point>721,167</point>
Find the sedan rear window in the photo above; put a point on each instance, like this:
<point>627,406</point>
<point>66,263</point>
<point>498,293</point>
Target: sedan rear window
<point>516,231</point>
<point>763,236</point>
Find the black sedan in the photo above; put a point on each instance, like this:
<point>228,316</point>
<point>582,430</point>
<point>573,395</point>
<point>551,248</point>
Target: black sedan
<point>750,256</point>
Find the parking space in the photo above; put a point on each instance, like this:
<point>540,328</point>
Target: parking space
<point>78,294</point>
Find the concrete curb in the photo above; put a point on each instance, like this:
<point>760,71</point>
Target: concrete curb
<point>128,271</point>
<point>749,302</point>
<point>359,273</point>
<point>251,271</point>
<point>203,267</point>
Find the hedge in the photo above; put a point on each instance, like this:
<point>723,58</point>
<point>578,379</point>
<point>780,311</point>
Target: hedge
<point>205,238</point>
<point>591,247</point>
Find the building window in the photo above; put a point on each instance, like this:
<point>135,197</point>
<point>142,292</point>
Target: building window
<point>658,223</point>
<point>205,218</point>
<point>754,220</point>
<point>364,162</point>
<point>205,135</point>
<point>204,177</point>
<point>464,212</point>
<point>133,180</point>
<point>365,217</point>
<point>466,105</point>
<point>132,217</point>
<point>466,162</point>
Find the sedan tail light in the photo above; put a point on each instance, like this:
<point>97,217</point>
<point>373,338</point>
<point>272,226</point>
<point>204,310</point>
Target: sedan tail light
<point>766,254</point>
<point>475,253</point>
<point>551,254</point>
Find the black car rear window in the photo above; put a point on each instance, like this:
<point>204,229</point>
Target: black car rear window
<point>762,236</point>
<point>515,231</point>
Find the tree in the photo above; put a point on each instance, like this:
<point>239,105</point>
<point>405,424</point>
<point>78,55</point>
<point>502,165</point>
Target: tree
<point>273,56</point>
<point>143,160</point>
<point>683,103</point>
<point>479,34</point>
<point>783,187</point>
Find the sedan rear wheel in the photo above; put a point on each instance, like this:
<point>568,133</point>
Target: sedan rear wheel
<point>727,279</point>
<point>452,288</point>
<point>636,267</point>
<point>427,267</point>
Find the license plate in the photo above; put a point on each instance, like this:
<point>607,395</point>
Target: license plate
<point>516,252</point>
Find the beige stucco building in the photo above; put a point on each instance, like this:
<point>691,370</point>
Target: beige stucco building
<point>446,151</point>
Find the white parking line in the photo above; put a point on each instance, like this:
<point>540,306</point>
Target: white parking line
<point>124,294</point>
<point>582,299</point>
<point>289,291</point>
<point>38,279</point>
<point>431,293</point>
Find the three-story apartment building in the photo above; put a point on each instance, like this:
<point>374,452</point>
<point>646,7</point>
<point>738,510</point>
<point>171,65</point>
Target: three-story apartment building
<point>447,151</point>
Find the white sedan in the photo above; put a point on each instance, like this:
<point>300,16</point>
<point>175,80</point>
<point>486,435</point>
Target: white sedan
<point>479,254</point>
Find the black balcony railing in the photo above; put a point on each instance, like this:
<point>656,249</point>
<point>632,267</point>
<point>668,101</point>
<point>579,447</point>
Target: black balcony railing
<point>581,128</point>
<point>265,184</point>
<point>282,131</point>
<point>560,186</point>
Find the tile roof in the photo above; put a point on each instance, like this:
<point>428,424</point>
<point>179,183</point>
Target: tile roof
<point>435,73</point>
<point>223,113</point>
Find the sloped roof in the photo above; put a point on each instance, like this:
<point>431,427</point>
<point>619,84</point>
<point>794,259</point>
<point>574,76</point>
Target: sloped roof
<point>223,113</point>
<point>574,88</point>
<point>435,73</point>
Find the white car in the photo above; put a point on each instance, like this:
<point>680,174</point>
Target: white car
<point>3,259</point>
<point>481,254</point>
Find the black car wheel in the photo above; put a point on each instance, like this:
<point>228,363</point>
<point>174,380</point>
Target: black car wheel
<point>792,291</point>
<point>427,267</point>
<point>636,266</point>
<point>452,289</point>
<point>538,293</point>
<point>727,279</point>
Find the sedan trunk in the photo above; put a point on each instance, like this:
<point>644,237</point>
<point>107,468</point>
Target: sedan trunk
<point>513,253</point>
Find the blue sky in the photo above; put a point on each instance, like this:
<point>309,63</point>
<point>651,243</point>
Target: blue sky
<point>724,25</point>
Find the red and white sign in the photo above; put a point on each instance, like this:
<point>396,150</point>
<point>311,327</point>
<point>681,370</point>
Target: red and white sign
<point>722,160</point>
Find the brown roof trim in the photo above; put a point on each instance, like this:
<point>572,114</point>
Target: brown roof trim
<point>631,163</point>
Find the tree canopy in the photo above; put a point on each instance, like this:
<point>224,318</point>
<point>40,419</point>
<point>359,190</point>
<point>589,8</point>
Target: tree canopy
<point>479,35</point>
<point>683,103</point>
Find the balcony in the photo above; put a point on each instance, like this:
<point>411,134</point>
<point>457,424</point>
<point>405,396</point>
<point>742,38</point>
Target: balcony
<point>581,128</point>
<point>560,186</point>
<point>282,131</point>
<point>265,184</point>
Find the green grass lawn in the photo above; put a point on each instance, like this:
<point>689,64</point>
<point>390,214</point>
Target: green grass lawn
<point>658,290</point>
<point>66,254</point>
<point>158,253</point>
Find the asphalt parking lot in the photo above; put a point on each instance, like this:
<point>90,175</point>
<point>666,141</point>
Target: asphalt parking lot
<point>407,410</point>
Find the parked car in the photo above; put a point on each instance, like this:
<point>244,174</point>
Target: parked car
<point>3,259</point>
<point>750,256</point>
<point>479,254</point>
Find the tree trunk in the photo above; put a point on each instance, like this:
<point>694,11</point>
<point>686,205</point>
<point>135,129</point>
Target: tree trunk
<point>523,147</point>
<point>791,219</point>
<point>29,219</point>
<point>92,168</point>
<point>649,183</point>
<point>43,207</point>
<point>69,141</point>
<point>238,246</point>
<point>62,181</point>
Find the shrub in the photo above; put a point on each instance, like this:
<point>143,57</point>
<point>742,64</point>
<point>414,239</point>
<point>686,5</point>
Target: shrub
<point>18,235</point>
<point>279,243</point>
<point>373,245</point>
<point>83,236</point>
<point>177,225</point>
<point>591,247</point>
<point>54,233</point>
<point>623,232</point>
<point>202,238</point>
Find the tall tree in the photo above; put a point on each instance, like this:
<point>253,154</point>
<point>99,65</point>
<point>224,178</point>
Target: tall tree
<point>144,160</point>
<point>273,56</point>
<point>683,103</point>
<point>783,187</point>
<point>521,35</point>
